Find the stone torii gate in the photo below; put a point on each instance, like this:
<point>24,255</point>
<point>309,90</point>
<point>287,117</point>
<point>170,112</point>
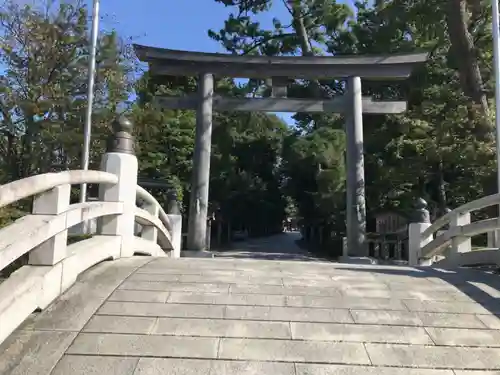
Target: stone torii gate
<point>277,71</point>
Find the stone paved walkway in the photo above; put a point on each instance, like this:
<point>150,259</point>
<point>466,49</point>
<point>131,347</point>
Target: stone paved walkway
<point>278,247</point>
<point>239,317</point>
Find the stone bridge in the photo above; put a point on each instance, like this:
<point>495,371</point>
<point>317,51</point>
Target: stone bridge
<point>296,316</point>
<point>125,302</point>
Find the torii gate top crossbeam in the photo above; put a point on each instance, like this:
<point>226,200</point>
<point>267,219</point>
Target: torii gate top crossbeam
<point>185,63</point>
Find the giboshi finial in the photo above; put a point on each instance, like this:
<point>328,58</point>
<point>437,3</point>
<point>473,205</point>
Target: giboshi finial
<point>122,124</point>
<point>121,140</point>
<point>421,203</point>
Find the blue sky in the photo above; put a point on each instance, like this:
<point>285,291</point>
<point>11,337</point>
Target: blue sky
<point>176,24</point>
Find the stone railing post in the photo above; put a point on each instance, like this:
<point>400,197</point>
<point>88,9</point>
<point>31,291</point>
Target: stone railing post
<point>120,160</point>
<point>208,240</point>
<point>442,231</point>
<point>210,221</point>
<point>492,239</point>
<point>52,202</point>
<point>345,250</point>
<point>421,221</point>
<point>150,232</point>
<point>174,214</point>
<point>219,221</point>
<point>459,244</point>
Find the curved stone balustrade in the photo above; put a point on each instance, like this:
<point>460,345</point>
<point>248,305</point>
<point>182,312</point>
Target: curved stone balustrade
<point>30,231</point>
<point>143,195</point>
<point>146,219</point>
<point>430,241</point>
<point>154,219</point>
<point>27,187</point>
<point>35,287</point>
<point>478,204</point>
<point>53,265</point>
<point>443,240</point>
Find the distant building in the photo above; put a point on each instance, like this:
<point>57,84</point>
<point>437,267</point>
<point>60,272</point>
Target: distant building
<point>390,222</point>
<point>389,241</point>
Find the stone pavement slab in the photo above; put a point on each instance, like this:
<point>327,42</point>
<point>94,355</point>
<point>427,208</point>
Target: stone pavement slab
<point>86,365</point>
<point>434,356</point>
<point>490,321</point>
<point>161,366</point>
<point>293,351</point>
<point>464,337</point>
<point>361,333</point>
<point>222,328</point>
<point>161,309</point>
<point>449,307</point>
<point>144,345</point>
<point>313,369</point>
<point>297,314</point>
<point>33,352</point>
<point>228,299</point>
<point>346,303</point>
<point>453,320</point>
<point>405,318</point>
<point>121,324</point>
<point>139,296</point>
<point>146,316</point>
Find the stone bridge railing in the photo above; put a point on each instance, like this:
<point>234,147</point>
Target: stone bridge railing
<point>447,241</point>
<point>42,236</point>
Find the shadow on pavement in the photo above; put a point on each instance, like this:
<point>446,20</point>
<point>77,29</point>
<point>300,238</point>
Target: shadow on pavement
<point>270,256</point>
<point>480,286</point>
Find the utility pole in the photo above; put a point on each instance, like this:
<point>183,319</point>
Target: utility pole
<point>90,96</point>
<point>496,66</point>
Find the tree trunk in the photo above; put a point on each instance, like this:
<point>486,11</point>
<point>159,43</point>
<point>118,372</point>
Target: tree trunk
<point>464,52</point>
<point>476,9</point>
<point>299,27</point>
<point>441,188</point>
<point>305,44</point>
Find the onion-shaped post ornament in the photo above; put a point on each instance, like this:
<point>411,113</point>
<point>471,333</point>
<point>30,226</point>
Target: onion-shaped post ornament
<point>122,139</point>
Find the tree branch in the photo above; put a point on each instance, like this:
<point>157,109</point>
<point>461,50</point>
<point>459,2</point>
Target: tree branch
<point>266,40</point>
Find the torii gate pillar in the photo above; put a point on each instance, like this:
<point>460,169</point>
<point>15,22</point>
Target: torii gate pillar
<point>198,202</point>
<point>355,205</point>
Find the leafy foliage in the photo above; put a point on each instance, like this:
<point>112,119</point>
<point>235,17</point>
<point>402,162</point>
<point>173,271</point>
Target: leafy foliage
<point>42,107</point>
<point>44,85</point>
<point>441,148</point>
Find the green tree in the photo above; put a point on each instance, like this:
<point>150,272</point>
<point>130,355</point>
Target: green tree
<point>43,88</point>
<point>439,135</point>
<point>43,94</point>
<point>164,138</point>
<point>245,183</point>
<point>441,148</point>
<point>313,158</point>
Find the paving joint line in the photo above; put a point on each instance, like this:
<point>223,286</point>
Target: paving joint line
<point>344,364</point>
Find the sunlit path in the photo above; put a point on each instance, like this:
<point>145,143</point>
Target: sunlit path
<point>281,246</point>
<point>189,316</point>
<point>385,162</point>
